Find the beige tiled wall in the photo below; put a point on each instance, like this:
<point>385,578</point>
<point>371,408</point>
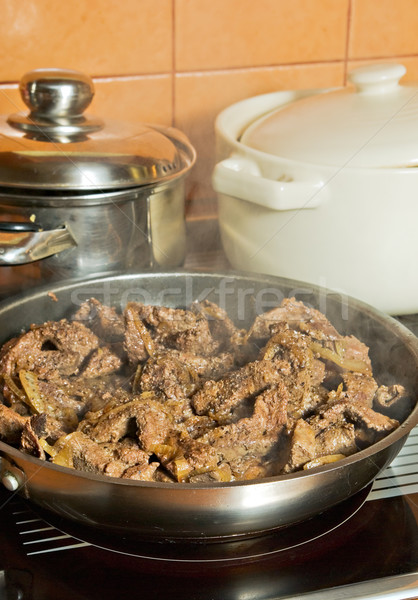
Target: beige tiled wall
<point>182,61</point>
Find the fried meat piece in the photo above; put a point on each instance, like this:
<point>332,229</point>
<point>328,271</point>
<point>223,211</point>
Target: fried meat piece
<point>296,315</point>
<point>179,374</point>
<point>155,425</point>
<point>290,352</point>
<point>359,388</point>
<point>219,398</point>
<point>103,320</point>
<point>11,425</point>
<point>313,439</point>
<point>115,423</point>
<point>29,441</point>
<point>222,328</point>
<point>254,435</point>
<point>101,362</point>
<point>78,451</point>
<point>50,350</point>
<point>138,342</point>
<point>149,329</point>
<point>359,413</point>
<point>167,375</point>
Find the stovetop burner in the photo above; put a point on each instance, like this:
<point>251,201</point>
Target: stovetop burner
<point>259,547</point>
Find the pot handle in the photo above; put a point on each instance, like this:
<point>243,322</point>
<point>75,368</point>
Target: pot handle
<point>22,243</point>
<point>240,177</point>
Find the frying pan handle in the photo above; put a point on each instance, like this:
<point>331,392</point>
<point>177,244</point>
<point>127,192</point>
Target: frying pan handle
<point>240,177</point>
<point>22,243</point>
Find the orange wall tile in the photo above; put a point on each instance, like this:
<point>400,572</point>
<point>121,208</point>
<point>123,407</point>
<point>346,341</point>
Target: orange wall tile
<point>135,99</point>
<point>212,34</point>
<point>10,100</point>
<point>383,28</point>
<point>180,62</point>
<point>101,37</point>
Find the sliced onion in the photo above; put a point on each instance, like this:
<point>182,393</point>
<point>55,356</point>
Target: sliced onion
<point>323,460</point>
<point>350,364</point>
<point>29,381</point>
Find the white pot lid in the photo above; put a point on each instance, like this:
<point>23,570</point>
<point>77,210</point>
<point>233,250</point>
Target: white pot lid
<point>374,123</point>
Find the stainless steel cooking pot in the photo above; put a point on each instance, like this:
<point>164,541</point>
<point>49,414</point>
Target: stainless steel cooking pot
<point>88,197</point>
<point>224,510</point>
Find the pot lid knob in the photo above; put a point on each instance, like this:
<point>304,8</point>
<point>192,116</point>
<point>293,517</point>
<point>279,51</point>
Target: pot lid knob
<point>56,99</point>
<point>377,79</point>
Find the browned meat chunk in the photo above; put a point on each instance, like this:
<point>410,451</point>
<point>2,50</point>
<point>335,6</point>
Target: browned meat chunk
<point>346,352</point>
<point>46,427</point>
<point>298,316</point>
<point>129,451</point>
<point>255,435</point>
<point>138,341</point>
<point>206,367</point>
<point>196,339</point>
<point>359,413</point>
<point>191,457</point>
<point>102,362</point>
<point>221,326</point>
<point>359,388</point>
<point>290,351</point>
<point>149,328</point>
<point>196,425</point>
<point>143,472</point>
<point>116,423</point>
<point>178,375</point>
<point>170,376</point>
<point>80,452</point>
<point>339,438</point>
<point>302,446</point>
<point>37,428</point>
<point>155,426</point>
<point>50,350</point>
<point>387,397</point>
<point>11,425</point>
<point>319,437</point>
<point>29,441</point>
<point>103,320</point>
<point>219,398</point>
<point>85,455</point>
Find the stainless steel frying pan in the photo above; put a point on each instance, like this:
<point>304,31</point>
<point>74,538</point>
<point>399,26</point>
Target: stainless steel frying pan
<point>224,510</point>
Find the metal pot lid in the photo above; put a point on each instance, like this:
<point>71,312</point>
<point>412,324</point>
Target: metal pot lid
<point>373,123</point>
<point>56,147</point>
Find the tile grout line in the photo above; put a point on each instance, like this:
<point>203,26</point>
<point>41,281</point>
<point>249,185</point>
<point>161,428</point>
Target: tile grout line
<point>173,62</point>
<point>236,69</point>
<point>347,41</point>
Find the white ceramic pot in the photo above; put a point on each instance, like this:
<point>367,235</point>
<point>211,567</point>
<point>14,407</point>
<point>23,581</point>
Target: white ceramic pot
<point>322,186</point>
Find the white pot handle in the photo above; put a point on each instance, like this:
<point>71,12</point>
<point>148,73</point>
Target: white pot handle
<point>240,177</point>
